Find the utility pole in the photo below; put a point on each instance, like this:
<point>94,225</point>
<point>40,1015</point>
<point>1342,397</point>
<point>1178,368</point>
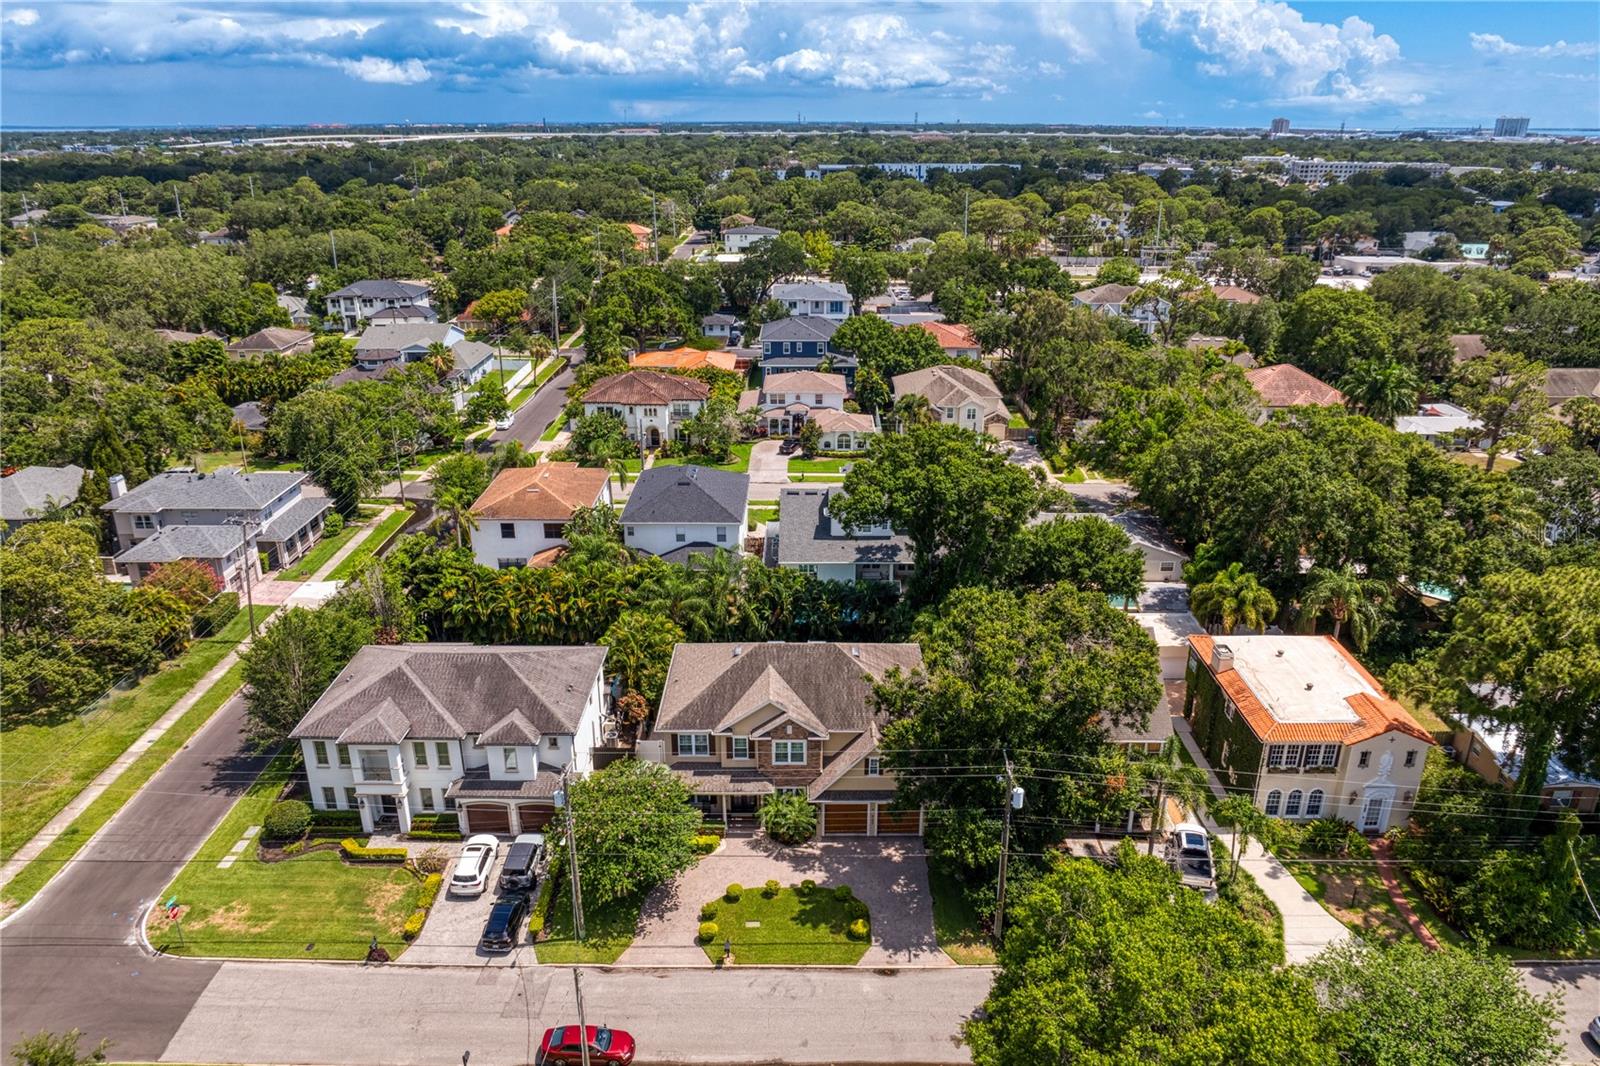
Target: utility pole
<point>563,799</point>
<point>966,202</point>
<point>178,202</point>
<point>555,317</point>
<point>1013,802</point>
<point>244,560</point>
<point>334,242</point>
<point>583,1027</point>
<point>654,240</point>
<point>123,201</point>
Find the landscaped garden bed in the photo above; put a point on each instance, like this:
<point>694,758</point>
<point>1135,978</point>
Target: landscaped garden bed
<point>797,925</point>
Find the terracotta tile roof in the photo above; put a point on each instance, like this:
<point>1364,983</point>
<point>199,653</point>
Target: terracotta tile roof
<point>1375,714</point>
<point>644,388</point>
<point>1233,294</point>
<point>684,359</point>
<point>1286,385</point>
<point>549,492</point>
<point>949,334</point>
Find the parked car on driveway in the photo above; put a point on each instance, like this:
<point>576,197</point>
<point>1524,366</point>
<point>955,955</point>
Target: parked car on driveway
<point>789,446</point>
<point>523,862</point>
<point>501,931</point>
<point>1188,851</point>
<point>471,875</point>
<point>562,1044</point>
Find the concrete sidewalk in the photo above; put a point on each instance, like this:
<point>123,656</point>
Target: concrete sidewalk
<point>349,546</point>
<point>1307,927</point>
<point>107,777</point>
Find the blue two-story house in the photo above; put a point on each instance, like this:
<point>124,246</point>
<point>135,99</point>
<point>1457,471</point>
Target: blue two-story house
<point>803,342</point>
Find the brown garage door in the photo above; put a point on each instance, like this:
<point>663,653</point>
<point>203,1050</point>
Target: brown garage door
<point>896,823</point>
<point>534,816</point>
<point>839,819</point>
<point>486,818</point>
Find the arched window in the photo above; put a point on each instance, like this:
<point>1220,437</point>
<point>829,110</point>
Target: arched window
<point>1292,808</point>
<point>1314,804</point>
<point>1274,799</point>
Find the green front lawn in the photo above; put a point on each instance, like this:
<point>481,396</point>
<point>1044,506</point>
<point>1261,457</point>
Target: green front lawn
<point>608,930</point>
<point>793,930</point>
<point>357,561</point>
<point>309,907</point>
<point>740,461</point>
<point>763,514</point>
<point>955,923</point>
<point>34,876</point>
<point>313,560</point>
<point>819,466</point>
<point>1354,893</point>
<point>553,429</point>
<point>206,462</point>
<point>47,764</point>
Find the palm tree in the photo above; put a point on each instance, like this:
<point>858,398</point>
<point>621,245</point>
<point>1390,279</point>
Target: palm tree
<point>439,359</point>
<point>1164,774</point>
<point>512,454</point>
<point>457,504</point>
<point>1232,598</point>
<point>912,410</point>
<point>1381,389</point>
<point>1239,813</point>
<point>1347,598</point>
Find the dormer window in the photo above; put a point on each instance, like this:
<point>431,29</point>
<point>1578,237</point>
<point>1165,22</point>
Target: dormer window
<point>511,760</point>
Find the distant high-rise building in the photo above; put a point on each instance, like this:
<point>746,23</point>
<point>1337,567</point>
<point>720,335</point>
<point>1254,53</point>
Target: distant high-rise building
<point>1505,126</point>
<point>1280,125</point>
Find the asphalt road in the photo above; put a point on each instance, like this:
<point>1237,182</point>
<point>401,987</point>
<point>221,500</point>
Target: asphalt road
<point>696,241</point>
<point>70,959</point>
<point>1579,987</point>
<point>535,416</point>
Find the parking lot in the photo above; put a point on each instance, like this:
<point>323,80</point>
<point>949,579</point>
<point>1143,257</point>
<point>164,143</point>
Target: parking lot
<point>450,937</point>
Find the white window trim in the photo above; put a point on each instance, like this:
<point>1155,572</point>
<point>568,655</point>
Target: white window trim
<point>689,742</point>
<point>508,757</point>
<point>734,743</point>
<point>874,766</point>
<point>788,748</point>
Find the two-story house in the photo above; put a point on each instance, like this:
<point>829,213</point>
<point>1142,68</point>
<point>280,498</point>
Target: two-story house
<point>679,511</point>
<point>226,520</point>
<point>1298,724</point>
<point>957,396</point>
<point>384,345</point>
<point>803,342</point>
<point>652,405</point>
<point>1117,301</point>
<point>486,731</point>
<point>806,537</point>
<point>361,300</point>
<point>822,299</point>
<point>523,514</point>
<point>34,492</point>
<point>785,402</point>
<point>740,722</point>
<point>739,239</point>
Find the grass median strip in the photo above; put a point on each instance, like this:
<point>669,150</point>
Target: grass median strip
<point>47,765</point>
<point>357,560</point>
<point>312,906</point>
<point>608,930</point>
<point>34,876</point>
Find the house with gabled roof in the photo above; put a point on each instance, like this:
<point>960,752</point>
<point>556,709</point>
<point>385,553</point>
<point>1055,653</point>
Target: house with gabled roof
<point>652,405</point>
<point>957,396</point>
<point>739,239</point>
<point>957,340</point>
<point>803,342</point>
<point>823,299</point>
<point>525,510</point>
<point>680,511</point>
<point>1284,385</point>
<point>362,299</point>
<point>33,492</point>
<point>274,340</point>
<point>806,537</point>
<point>741,722</point>
<point>1298,724</point>
<point>486,731</point>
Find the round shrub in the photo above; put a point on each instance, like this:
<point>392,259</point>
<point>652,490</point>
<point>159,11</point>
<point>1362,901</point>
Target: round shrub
<point>708,932</point>
<point>708,912</point>
<point>432,861</point>
<point>286,820</point>
<point>771,889</point>
<point>733,892</point>
<point>858,930</point>
<point>843,893</point>
<point>807,887</point>
<point>855,909</point>
<point>333,525</point>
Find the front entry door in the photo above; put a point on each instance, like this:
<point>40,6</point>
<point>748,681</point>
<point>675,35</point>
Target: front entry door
<point>388,807</point>
<point>741,804</point>
<point>1372,814</point>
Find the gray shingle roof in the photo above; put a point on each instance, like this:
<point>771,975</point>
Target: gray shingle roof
<point>381,290</point>
<point>469,354</point>
<point>289,521</point>
<point>183,542</point>
<point>477,784</point>
<point>805,534</point>
<point>224,490</point>
<point>810,290</point>
<point>687,494</point>
<point>760,231</point>
<point>450,691</point>
<point>718,319</point>
<point>799,328</point>
<point>408,313</point>
<point>832,682</point>
<point>393,336</point>
<point>34,487</point>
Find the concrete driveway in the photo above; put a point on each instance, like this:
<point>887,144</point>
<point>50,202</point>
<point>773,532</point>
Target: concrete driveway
<point>450,937</point>
<point>890,876</point>
<point>769,471</point>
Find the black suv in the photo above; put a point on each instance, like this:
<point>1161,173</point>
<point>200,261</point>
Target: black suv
<point>500,932</point>
<point>523,862</point>
<point>789,446</point>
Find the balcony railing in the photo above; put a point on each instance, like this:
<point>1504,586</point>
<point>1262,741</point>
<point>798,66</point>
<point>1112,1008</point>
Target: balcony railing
<point>375,772</point>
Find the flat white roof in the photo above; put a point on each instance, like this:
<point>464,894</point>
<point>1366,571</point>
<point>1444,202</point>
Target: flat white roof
<point>1169,628</point>
<point>1298,678</point>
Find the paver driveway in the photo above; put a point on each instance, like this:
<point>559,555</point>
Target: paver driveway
<point>891,876</point>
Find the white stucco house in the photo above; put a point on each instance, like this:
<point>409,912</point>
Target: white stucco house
<point>738,240</point>
<point>361,300</point>
<point>679,511</point>
<point>821,299</point>
<point>486,731</point>
<point>523,514</point>
<point>652,406</point>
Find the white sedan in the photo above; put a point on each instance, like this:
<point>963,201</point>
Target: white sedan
<point>505,421</point>
<point>471,875</point>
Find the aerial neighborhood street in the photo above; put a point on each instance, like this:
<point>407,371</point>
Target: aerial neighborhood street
<point>607,588</point>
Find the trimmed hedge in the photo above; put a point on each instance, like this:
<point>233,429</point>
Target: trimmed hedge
<point>770,890</point>
<point>437,822</point>
<point>333,818</point>
<point>286,820</point>
<point>734,891</point>
<point>430,890</point>
<point>858,929</point>
<point>807,887</point>
<point>432,834</point>
<point>842,893</point>
<point>713,829</point>
<point>541,905</point>
<point>355,851</point>
<point>708,911</point>
<point>413,927</point>
<point>705,844</point>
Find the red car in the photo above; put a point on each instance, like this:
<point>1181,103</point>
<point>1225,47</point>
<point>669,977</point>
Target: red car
<point>561,1044</point>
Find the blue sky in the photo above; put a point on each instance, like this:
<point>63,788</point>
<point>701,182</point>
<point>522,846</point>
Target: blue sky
<point>1176,62</point>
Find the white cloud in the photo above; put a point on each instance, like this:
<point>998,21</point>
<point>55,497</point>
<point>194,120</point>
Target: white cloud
<point>22,16</point>
<point>382,71</point>
<point>1493,44</point>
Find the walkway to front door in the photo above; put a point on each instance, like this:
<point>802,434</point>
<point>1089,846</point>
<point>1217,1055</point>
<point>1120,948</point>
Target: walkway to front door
<point>891,877</point>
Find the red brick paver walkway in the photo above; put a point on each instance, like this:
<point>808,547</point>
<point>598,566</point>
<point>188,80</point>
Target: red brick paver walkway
<point>1383,850</point>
